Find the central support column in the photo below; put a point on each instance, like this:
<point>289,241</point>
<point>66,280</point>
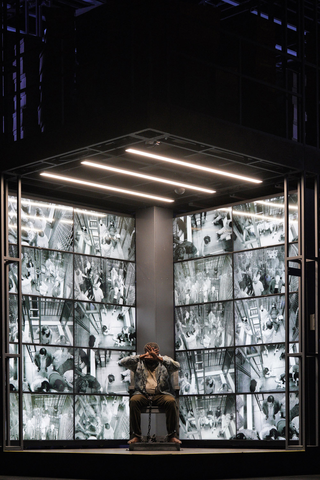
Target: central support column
<point>154,277</point>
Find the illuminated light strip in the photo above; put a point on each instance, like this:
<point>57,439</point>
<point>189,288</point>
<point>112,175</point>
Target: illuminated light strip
<point>41,204</point>
<point>31,229</point>
<point>35,217</point>
<point>192,165</point>
<point>88,212</point>
<point>148,177</point>
<point>105,187</point>
<point>280,205</point>
<point>260,217</point>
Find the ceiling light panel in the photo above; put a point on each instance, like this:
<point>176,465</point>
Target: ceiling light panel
<point>101,186</point>
<point>193,165</point>
<point>146,177</point>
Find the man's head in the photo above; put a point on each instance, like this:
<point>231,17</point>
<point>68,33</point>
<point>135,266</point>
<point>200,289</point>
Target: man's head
<point>152,345</point>
<point>151,362</point>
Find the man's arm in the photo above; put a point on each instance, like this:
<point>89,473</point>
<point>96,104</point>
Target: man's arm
<point>130,362</point>
<point>170,364</point>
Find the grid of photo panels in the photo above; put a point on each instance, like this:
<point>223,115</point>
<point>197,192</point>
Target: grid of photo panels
<point>78,321</point>
<point>230,320</point>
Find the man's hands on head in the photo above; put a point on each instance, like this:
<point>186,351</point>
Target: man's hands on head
<point>152,354</point>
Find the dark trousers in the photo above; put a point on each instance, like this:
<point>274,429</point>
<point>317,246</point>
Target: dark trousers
<point>166,402</point>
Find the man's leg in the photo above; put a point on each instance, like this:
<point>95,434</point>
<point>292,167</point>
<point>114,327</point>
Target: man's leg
<point>169,404</point>
<point>137,402</point>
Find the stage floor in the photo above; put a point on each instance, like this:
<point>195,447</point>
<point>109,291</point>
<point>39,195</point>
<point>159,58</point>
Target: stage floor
<point>122,464</point>
<point>294,477</point>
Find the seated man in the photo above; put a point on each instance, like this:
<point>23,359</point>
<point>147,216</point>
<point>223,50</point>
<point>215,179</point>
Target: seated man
<point>152,382</point>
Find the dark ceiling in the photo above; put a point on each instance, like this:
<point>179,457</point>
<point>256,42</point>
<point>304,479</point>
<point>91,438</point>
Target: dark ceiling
<point>113,152</point>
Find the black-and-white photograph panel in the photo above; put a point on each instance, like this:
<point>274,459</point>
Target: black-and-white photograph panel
<point>294,317</point>
<point>13,372</point>
<point>294,278</point>
<point>89,279</point>
<point>207,417</point>
<point>104,326</point>
<point>262,416</point>
<point>189,327</point>
<point>104,235</point>
<point>203,280</point>
<point>261,369</point>
<point>102,417</point>
<point>204,326</point>
<point>97,371</point>
<point>47,321</point>
<point>47,417</point>
<point>30,271</point>
<point>14,415</point>
<point>206,372</point>
<point>201,234</point>
<point>260,320</point>
<point>259,272</point>
<point>120,279</point>
<point>258,224</point>
<point>55,278</point>
<point>48,369</point>
<point>13,333</point>
<point>43,224</point>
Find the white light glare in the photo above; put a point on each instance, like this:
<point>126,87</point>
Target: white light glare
<point>192,165</point>
<point>147,177</point>
<point>272,204</point>
<point>261,217</point>
<point>105,187</point>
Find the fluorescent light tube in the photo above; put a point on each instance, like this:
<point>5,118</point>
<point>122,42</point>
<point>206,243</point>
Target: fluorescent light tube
<point>104,187</point>
<point>192,165</point>
<point>147,177</point>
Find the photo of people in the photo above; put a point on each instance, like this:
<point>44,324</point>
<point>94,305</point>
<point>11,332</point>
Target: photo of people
<point>263,416</point>
<point>102,417</point>
<point>43,224</point>
<point>204,326</point>
<point>47,273</point>
<point>47,417</point>
<point>47,321</point>
<point>48,369</point>
<point>104,235</point>
<point>259,272</point>
<point>207,417</point>
<point>260,320</point>
<point>206,372</point>
<point>106,281</point>
<point>104,326</point>
<point>261,223</point>
<point>203,280</point>
<point>262,369</point>
<point>201,234</point>
<point>97,371</point>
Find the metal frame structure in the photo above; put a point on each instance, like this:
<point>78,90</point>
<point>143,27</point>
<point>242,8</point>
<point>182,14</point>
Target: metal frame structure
<point>6,354</point>
<point>308,313</point>
<point>305,268</point>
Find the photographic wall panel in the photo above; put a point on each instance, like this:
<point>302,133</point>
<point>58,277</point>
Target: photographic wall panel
<point>230,322</point>
<point>78,321</point>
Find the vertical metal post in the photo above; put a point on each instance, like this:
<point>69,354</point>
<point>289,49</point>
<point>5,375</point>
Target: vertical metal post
<point>303,310</point>
<point>299,272</point>
<point>6,354</point>
<point>2,301</point>
<point>286,254</point>
<point>18,71</point>
<point>316,306</point>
